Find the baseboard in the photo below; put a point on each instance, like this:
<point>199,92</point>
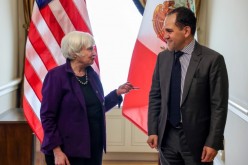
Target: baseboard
<point>130,156</point>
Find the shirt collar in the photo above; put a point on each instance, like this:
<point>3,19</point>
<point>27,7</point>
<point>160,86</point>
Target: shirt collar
<point>189,48</point>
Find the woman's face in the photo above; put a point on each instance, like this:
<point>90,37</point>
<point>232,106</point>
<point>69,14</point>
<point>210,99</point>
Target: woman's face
<point>87,56</point>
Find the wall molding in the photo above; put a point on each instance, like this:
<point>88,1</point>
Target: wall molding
<point>10,87</point>
<point>238,110</point>
<point>217,161</point>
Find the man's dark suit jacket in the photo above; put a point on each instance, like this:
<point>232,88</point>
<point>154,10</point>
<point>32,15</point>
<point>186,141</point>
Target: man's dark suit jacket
<point>204,100</point>
<point>64,114</point>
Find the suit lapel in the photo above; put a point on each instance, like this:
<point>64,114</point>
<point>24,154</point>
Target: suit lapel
<point>194,62</point>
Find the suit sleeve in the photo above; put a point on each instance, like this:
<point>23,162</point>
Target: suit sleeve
<point>112,99</point>
<point>218,80</point>
<point>154,102</point>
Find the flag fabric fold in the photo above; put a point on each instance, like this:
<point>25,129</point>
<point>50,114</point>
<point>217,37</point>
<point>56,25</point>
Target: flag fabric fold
<point>149,43</point>
<point>51,20</point>
<point>140,4</point>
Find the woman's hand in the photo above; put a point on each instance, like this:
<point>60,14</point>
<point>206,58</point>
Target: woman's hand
<point>59,157</point>
<point>125,88</point>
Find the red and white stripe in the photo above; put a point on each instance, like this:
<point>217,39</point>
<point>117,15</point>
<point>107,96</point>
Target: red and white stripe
<point>47,28</point>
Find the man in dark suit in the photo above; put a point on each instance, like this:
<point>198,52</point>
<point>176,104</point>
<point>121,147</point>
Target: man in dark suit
<point>187,128</point>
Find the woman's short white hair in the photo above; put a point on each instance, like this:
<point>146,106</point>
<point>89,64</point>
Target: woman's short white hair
<point>73,42</point>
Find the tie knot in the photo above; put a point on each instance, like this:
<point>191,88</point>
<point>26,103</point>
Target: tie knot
<point>178,54</point>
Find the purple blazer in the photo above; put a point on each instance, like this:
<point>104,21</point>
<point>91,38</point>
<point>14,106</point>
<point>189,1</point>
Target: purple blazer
<point>63,111</point>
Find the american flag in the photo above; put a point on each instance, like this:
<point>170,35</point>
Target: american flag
<point>51,20</point>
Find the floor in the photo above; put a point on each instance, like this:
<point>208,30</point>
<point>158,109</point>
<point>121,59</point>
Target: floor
<point>128,163</point>
<point>39,160</point>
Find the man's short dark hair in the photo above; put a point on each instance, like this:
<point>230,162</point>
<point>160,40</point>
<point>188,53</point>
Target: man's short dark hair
<point>185,17</point>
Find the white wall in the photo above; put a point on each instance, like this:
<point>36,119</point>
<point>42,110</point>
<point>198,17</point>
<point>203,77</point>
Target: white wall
<point>226,32</point>
<point>9,54</point>
<point>115,31</point>
<point>8,40</point>
<point>227,29</point>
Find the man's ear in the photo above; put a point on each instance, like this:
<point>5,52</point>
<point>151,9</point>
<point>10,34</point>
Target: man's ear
<point>187,31</point>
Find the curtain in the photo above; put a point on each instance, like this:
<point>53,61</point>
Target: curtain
<point>27,12</point>
<point>197,7</point>
<point>27,8</point>
<point>201,23</point>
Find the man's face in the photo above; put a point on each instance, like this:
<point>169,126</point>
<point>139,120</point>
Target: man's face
<point>174,37</point>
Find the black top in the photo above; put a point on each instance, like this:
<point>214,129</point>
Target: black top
<point>93,105</point>
<point>96,122</point>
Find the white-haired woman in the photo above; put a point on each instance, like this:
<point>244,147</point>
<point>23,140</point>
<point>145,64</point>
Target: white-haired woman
<point>73,106</point>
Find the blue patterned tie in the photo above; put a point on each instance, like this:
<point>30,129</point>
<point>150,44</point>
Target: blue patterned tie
<point>175,92</point>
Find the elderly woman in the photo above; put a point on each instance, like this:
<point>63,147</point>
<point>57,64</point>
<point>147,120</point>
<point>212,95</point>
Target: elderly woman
<point>73,106</point>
